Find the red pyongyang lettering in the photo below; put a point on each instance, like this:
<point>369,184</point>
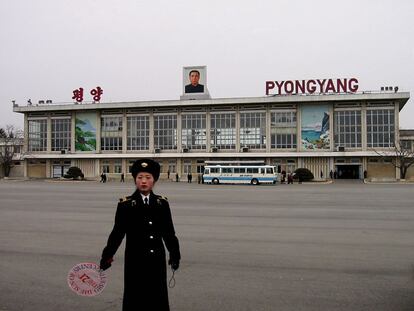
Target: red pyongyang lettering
<point>321,86</point>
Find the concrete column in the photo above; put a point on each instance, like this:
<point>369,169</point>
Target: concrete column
<point>97,167</point>
<point>208,131</point>
<point>364,126</point>
<point>238,130</point>
<point>48,169</point>
<point>331,128</point>
<point>151,132</point>
<point>179,168</point>
<point>397,124</point>
<point>179,142</point>
<point>49,135</point>
<point>26,135</point>
<point>124,133</point>
<point>98,131</point>
<point>268,131</point>
<point>73,133</point>
<point>25,168</point>
<point>397,173</point>
<point>125,167</point>
<point>299,129</point>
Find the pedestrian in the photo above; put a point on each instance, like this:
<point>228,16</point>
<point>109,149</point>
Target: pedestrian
<point>335,174</point>
<point>122,177</point>
<point>199,178</point>
<point>102,177</point>
<point>145,219</point>
<point>168,174</point>
<point>290,179</point>
<point>188,177</point>
<point>321,174</point>
<point>331,174</point>
<point>177,178</point>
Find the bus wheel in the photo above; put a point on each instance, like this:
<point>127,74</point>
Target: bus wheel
<point>215,181</point>
<point>254,181</point>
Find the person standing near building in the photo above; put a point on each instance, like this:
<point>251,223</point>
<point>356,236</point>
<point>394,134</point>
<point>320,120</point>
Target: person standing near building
<point>331,174</point>
<point>177,178</point>
<point>145,219</point>
<point>168,174</point>
<point>122,177</point>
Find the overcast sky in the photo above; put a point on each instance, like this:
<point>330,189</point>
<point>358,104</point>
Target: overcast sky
<point>135,50</point>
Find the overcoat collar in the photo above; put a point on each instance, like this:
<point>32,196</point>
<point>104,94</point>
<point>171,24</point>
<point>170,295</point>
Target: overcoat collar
<point>138,198</point>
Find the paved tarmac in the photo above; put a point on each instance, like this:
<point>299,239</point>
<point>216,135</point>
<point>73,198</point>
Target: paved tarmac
<point>340,246</point>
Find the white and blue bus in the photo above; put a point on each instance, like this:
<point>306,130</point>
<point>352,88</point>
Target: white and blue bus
<point>240,174</point>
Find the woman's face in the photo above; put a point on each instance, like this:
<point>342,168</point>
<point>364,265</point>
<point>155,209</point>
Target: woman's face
<point>144,182</point>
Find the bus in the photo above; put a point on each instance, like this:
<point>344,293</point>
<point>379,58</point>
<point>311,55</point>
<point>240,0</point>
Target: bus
<point>240,174</point>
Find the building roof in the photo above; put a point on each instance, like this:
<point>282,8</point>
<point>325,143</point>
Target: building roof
<point>400,97</point>
<point>406,133</point>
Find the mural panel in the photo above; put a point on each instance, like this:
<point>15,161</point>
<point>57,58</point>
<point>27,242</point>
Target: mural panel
<point>85,132</point>
<point>315,127</point>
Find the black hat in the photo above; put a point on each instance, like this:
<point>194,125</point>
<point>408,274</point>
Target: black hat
<point>146,165</point>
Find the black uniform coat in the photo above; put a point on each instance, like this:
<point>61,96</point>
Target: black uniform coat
<point>145,227</point>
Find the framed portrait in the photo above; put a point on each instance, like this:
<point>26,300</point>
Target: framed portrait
<point>195,80</point>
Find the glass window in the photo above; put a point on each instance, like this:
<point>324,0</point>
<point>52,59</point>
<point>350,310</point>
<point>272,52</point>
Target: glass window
<point>380,132</point>
<point>223,130</point>
<point>172,164</point>
<point>187,166</point>
<point>61,134</point>
<point>137,133</point>
<point>193,131</point>
<point>240,170</point>
<point>227,170</point>
<point>165,132</point>
<point>105,166</point>
<point>347,128</point>
<point>253,130</point>
<point>111,133</point>
<point>38,135</point>
<point>283,130</point>
<point>406,144</point>
<point>118,166</point>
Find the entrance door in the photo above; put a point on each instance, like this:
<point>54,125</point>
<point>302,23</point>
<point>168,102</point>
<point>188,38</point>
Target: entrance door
<point>348,171</point>
<point>60,170</point>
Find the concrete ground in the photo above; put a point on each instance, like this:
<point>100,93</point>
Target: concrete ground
<point>340,246</point>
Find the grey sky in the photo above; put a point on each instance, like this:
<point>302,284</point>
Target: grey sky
<point>135,50</point>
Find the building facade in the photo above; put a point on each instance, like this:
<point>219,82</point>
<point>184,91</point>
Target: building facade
<point>339,134</point>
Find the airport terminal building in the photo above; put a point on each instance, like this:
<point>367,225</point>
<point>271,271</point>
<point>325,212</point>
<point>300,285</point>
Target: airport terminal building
<point>342,132</point>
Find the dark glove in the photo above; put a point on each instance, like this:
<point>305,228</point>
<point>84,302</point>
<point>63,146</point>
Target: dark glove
<point>175,264</point>
<point>105,263</point>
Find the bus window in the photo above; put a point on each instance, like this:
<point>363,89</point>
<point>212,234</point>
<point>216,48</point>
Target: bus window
<point>207,171</point>
<point>239,170</point>
<point>227,170</point>
<point>269,170</point>
<point>215,170</point>
<point>252,170</point>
